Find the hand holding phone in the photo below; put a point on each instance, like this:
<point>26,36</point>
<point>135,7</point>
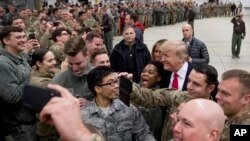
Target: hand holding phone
<point>35,98</point>
<point>125,89</point>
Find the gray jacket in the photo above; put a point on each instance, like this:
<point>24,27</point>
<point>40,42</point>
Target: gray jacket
<point>14,72</point>
<point>120,124</point>
<point>75,84</point>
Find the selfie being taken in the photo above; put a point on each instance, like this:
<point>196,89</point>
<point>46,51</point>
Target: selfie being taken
<point>124,70</point>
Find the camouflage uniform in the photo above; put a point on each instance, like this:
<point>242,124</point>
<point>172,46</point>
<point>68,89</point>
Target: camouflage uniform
<point>241,120</point>
<point>91,23</point>
<point>57,50</point>
<point>132,10</point>
<point>174,14</point>
<point>165,14</point>
<point>150,18</point>
<point>146,22</point>
<point>119,124</point>
<point>162,13</point>
<point>168,98</point>
<point>182,11</point>
<point>140,11</point>
<point>154,15</point>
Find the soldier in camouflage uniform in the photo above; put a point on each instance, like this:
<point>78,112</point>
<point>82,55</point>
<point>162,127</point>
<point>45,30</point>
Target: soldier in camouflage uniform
<point>147,14</point>
<point>90,22</point>
<point>234,99</point>
<point>174,14</point>
<point>154,16</point>
<point>140,12</point>
<point>132,8</point>
<point>228,8</point>
<point>113,118</point>
<point>171,99</point>
<point>60,36</point>
<point>150,17</point>
<point>202,11</point>
<point>182,11</point>
<point>158,14</point>
<point>167,13</point>
<point>161,14</point>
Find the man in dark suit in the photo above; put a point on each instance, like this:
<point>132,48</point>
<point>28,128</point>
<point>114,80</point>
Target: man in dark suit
<point>175,60</point>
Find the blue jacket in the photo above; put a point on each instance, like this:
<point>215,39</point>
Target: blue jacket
<point>197,50</point>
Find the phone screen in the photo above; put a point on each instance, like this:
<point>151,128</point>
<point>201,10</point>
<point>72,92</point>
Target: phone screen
<point>35,98</point>
<point>124,90</point>
<point>32,36</point>
<point>56,23</point>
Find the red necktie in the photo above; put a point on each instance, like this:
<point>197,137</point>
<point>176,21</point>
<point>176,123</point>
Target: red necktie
<point>175,81</point>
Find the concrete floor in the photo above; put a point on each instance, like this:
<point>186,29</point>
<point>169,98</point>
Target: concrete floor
<point>216,33</point>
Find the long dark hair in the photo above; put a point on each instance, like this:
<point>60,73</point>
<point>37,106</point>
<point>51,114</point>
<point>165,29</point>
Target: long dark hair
<point>38,55</point>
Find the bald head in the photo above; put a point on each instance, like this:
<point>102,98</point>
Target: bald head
<point>187,31</point>
<point>204,117</point>
<point>214,118</point>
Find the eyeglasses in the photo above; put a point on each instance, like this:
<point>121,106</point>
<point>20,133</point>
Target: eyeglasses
<point>112,83</point>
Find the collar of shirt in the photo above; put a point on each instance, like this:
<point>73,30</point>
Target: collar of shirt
<point>182,72</point>
<point>115,106</point>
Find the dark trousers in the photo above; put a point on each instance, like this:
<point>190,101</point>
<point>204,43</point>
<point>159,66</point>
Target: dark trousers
<point>236,44</point>
<point>108,40</point>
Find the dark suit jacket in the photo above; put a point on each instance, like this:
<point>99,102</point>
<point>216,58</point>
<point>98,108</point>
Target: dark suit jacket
<point>165,81</point>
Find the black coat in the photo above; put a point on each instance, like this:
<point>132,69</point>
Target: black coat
<point>119,61</point>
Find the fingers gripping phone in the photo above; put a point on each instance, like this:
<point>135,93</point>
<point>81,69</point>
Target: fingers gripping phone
<point>124,90</point>
<point>35,98</point>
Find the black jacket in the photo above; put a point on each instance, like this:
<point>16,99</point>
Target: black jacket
<point>106,23</point>
<point>119,61</point>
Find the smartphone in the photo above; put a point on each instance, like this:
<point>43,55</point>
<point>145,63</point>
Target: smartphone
<point>124,90</point>
<point>32,36</point>
<point>35,98</point>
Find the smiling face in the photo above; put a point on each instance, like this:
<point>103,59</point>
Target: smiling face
<point>157,53</point>
<point>170,60</point>
<point>15,42</point>
<point>174,55</point>
<point>229,97</point>
<point>197,86</point>
<point>77,64</point>
<point>110,90</point>
<point>48,63</point>
<point>149,76</point>
<point>18,23</point>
